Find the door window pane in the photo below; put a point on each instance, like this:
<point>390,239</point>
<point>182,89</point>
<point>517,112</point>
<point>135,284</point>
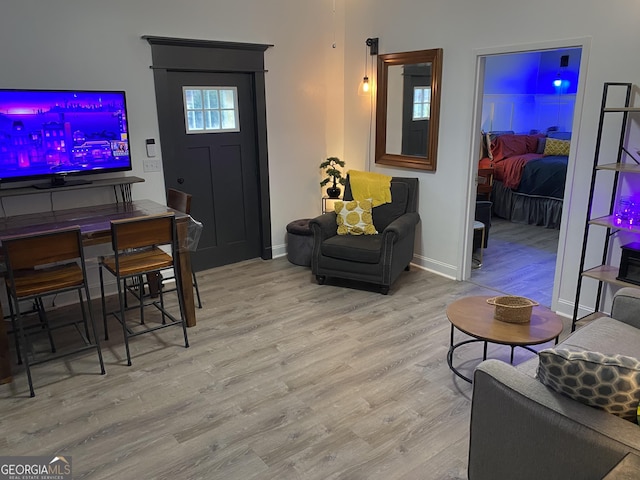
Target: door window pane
<point>211,109</point>
<point>421,103</point>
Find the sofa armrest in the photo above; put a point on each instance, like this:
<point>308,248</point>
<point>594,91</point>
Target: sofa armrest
<point>522,429</point>
<point>626,306</point>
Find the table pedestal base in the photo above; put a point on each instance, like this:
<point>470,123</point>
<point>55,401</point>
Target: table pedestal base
<point>453,347</point>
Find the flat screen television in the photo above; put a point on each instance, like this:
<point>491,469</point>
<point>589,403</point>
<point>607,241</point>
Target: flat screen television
<point>54,134</point>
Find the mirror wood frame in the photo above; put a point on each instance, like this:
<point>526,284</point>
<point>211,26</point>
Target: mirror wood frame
<point>427,162</point>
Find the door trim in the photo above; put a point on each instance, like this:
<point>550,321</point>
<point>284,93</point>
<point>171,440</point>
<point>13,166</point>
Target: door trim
<point>464,259</point>
<point>183,54</point>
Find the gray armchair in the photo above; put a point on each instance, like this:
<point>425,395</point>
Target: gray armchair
<point>377,259</point>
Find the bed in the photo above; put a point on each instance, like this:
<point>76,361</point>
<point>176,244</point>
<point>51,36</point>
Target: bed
<point>529,176</point>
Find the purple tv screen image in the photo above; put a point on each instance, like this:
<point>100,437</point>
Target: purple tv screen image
<point>50,133</point>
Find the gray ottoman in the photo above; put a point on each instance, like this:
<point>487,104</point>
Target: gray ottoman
<point>299,242</point>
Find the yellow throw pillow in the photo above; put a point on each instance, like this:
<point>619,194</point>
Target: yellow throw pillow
<point>354,218</point>
<point>554,146</point>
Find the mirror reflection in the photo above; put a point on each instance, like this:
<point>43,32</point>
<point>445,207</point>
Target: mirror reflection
<point>407,108</point>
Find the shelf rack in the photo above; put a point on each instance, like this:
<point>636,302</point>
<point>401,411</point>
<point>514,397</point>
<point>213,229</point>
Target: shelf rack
<point>605,273</point>
<point>121,188</point>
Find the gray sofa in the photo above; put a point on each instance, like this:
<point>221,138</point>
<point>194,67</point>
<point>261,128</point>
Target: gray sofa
<point>521,429</point>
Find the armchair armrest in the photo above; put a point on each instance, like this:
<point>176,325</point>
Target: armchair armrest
<point>626,306</point>
<point>403,225</point>
<point>522,429</point>
<point>325,225</point>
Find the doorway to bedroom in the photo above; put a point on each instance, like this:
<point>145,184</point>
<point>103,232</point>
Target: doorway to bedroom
<point>527,107</point>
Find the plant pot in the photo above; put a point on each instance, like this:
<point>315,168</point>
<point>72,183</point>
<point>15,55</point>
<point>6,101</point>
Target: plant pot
<point>333,192</point>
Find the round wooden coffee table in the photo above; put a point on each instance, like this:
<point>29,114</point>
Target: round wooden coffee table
<point>474,316</point>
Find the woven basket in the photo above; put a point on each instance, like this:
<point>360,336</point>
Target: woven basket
<point>512,309</point>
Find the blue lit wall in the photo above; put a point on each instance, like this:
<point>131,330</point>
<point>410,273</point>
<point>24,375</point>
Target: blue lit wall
<point>520,95</point>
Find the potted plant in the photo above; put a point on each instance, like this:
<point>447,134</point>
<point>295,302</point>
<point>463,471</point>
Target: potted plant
<point>333,175</point>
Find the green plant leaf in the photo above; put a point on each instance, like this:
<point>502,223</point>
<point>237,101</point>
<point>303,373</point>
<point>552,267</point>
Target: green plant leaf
<point>333,174</point>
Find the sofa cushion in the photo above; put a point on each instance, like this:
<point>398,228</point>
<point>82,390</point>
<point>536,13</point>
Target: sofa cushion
<point>358,249</point>
<point>605,335</point>
<point>608,382</point>
<point>354,218</point>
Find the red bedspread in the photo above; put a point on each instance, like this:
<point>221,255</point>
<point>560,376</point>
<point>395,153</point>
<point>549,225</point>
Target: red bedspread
<point>509,169</point>
<point>509,154</point>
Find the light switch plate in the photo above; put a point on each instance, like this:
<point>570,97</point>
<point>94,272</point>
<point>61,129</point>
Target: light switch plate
<point>151,165</point>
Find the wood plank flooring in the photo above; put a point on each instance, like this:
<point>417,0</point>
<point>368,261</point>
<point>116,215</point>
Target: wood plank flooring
<point>284,379</point>
<point>519,260</point>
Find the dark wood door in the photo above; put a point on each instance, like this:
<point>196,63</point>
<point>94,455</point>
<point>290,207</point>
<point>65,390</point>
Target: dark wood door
<point>415,133</point>
<point>220,171</point>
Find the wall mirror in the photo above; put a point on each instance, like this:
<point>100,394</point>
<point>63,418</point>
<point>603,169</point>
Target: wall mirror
<point>408,108</point>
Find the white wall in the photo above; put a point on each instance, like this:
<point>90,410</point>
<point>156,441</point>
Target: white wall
<point>461,29</point>
<point>519,94</point>
<point>96,44</point>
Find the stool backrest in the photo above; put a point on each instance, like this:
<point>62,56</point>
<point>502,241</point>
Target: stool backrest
<point>142,232</point>
<point>178,200</point>
<point>24,252</point>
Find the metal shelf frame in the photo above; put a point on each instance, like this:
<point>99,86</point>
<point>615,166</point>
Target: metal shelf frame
<point>604,273</point>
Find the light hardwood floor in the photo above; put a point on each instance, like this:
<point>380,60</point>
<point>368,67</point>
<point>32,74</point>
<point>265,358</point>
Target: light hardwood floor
<point>284,379</point>
<point>519,260</point>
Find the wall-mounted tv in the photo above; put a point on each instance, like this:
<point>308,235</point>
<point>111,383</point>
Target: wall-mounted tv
<point>52,134</point>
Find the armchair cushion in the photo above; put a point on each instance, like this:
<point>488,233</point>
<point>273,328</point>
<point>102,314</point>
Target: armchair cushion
<point>386,213</point>
<point>361,249</point>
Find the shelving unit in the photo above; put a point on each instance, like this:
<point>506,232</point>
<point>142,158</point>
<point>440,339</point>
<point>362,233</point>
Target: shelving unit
<point>604,273</point>
<point>121,185</point>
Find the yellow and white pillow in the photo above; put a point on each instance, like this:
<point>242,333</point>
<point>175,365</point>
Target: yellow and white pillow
<point>354,218</point>
<point>556,147</point>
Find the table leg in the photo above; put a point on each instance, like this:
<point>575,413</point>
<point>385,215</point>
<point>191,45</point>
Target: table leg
<point>5,360</point>
<point>484,353</point>
<point>512,349</point>
<point>451,342</point>
<point>186,282</point>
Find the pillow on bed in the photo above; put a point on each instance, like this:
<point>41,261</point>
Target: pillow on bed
<point>489,141</point>
<point>510,145</point>
<point>556,147</point>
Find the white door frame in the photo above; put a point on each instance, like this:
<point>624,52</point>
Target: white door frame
<point>480,55</point>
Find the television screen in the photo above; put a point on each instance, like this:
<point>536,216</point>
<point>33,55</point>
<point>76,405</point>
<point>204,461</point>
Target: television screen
<point>55,133</point>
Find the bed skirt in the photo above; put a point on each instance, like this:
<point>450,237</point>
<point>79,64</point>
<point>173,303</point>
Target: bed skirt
<point>526,209</point>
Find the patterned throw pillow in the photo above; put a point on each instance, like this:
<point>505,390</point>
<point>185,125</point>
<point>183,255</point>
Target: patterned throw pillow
<point>553,146</point>
<point>354,218</point>
<point>609,382</point>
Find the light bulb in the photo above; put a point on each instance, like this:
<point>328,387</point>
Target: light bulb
<point>364,86</point>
